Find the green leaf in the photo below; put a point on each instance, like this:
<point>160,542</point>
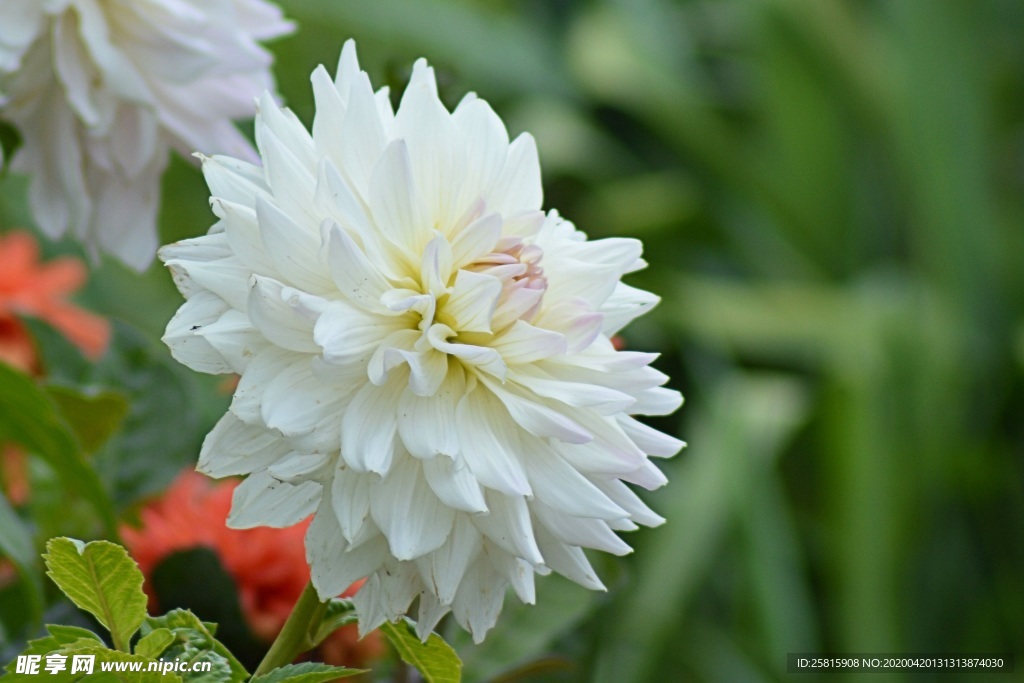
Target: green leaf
<point>103,580</point>
<point>63,640</point>
<point>93,416</point>
<point>189,630</point>
<point>28,417</point>
<point>126,660</point>
<point>154,643</point>
<point>188,654</point>
<point>16,544</point>
<point>339,613</point>
<point>435,659</point>
<point>307,672</point>
<point>71,634</point>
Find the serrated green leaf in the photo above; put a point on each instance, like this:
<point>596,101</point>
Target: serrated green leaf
<point>340,612</point>
<point>27,417</point>
<point>72,634</point>
<point>103,580</point>
<point>307,672</point>
<point>435,660</point>
<point>93,415</point>
<point>66,644</point>
<point>188,629</point>
<point>126,660</point>
<point>190,655</point>
<point>154,643</point>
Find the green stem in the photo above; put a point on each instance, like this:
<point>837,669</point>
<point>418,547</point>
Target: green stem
<point>297,635</point>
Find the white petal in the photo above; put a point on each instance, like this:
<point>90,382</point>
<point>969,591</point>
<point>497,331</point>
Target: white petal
<point>350,499</point>
<point>454,484</point>
<point>516,571</point>
<point>349,335</point>
<point>535,418</point>
<point>508,525</point>
<point>560,486</point>
<point>360,152</point>
<point>629,501</point>
<point>262,500</point>
<point>478,602</point>
<point>567,560</point>
<point>486,143</point>
<point>333,567</point>
<point>294,247</point>
<point>248,397</point>
<point>356,277</point>
<point>233,180</point>
<point>472,302</point>
<point>291,181</point>
<point>624,305</point>
<point>284,315</point>
<point>183,338</point>
<point>234,338</point>
<point>234,447</point>
<point>524,343</point>
<point>488,441</point>
<point>648,439</point>
<point>647,476</point>
<point>408,513</point>
<point>296,401</point>
<point>588,533</point>
<point>426,127</point>
<point>242,229</point>
<point>369,425</point>
<point>518,186</point>
<point>397,208</point>
<point>481,357</point>
<point>297,468</point>
<point>427,424</point>
<point>443,569</point>
<point>430,613</point>
<point>657,401</point>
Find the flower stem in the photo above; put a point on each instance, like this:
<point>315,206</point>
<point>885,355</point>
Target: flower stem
<point>297,635</point>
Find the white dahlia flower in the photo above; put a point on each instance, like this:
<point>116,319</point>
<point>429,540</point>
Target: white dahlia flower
<point>102,89</point>
<point>424,355</point>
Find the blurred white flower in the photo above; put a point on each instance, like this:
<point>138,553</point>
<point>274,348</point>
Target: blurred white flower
<point>425,355</point>
<point>102,89</point>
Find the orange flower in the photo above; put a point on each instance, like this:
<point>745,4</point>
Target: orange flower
<point>29,287</point>
<point>268,565</point>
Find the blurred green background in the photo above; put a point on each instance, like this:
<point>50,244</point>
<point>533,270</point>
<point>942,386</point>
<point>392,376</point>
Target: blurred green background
<point>831,195</point>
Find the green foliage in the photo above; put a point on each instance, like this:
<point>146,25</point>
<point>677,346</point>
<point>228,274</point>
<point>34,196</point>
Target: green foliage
<point>339,613</point>
<point>94,417</point>
<point>307,672</point>
<point>28,418</point>
<point>101,579</point>
<point>193,638</point>
<point>435,659</point>
<point>16,544</point>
